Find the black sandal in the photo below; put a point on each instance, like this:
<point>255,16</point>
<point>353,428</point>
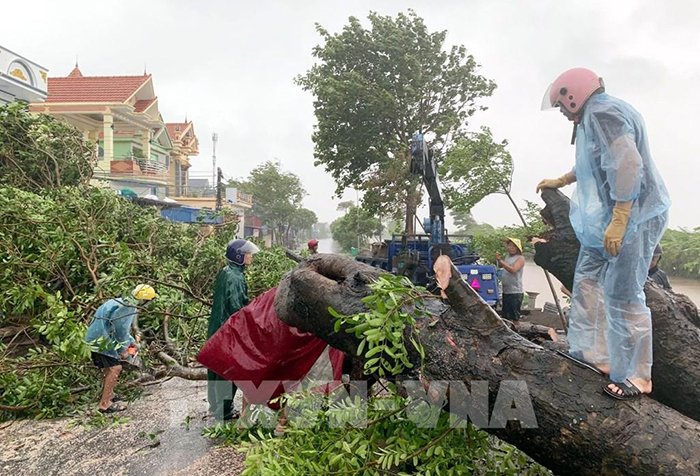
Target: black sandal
<point>629,390</point>
<point>113,408</point>
<point>581,363</point>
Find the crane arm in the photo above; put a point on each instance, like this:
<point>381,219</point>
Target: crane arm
<point>423,164</point>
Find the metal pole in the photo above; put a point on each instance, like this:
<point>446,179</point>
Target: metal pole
<point>357,204</point>
<point>219,187</point>
<point>214,139</point>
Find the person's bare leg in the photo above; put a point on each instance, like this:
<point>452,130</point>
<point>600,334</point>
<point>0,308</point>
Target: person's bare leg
<point>111,376</point>
<point>282,422</point>
<point>244,407</point>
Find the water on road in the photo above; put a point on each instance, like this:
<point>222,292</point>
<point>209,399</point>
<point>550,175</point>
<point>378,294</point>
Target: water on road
<point>534,280</point>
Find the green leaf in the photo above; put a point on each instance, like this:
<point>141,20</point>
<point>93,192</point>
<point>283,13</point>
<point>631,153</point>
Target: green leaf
<point>361,347</point>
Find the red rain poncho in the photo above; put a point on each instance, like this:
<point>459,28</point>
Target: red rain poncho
<point>254,346</point>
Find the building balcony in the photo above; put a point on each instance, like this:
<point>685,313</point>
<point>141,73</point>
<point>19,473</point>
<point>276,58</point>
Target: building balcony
<point>244,198</point>
<point>135,169</point>
<point>232,197</point>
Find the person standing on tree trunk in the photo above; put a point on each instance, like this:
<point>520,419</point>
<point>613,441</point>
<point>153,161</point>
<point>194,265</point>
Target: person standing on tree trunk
<point>109,335</point>
<point>658,276</point>
<point>512,279</point>
<point>619,212</point>
<point>230,295</point>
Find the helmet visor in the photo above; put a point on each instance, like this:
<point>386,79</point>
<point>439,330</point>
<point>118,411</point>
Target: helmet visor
<point>249,247</point>
<point>547,101</point>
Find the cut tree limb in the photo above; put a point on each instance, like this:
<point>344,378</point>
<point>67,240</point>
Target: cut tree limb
<point>675,320</point>
<point>173,368</point>
<point>579,429</point>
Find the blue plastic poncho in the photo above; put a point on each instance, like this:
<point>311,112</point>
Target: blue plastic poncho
<point>613,163</point>
<point>609,321</point>
<point>112,322</point>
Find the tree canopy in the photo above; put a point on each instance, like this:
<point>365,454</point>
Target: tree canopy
<point>303,221</point>
<point>277,196</point>
<point>38,151</point>
<point>467,225</point>
<point>475,167</point>
<point>374,88</point>
<point>356,222</point>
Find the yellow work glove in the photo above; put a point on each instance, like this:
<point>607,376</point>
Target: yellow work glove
<point>612,240</point>
<point>560,182</point>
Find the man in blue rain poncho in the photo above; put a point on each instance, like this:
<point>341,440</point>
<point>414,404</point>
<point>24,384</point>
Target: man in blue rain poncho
<point>110,339</point>
<point>619,212</point>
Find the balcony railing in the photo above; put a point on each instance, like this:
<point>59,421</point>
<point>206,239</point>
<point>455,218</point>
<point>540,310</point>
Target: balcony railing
<point>245,198</point>
<point>135,167</point>
<point>210,192</point>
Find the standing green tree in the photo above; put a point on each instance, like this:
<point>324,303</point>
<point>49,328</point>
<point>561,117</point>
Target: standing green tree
<point>343,206</point>
<point>302,222</point>
<point>356,222</point>
<point>374,89</point>
<point>467,225</point>
<point>277,195</point>
<point>321,231</point>
<point>474,168</point>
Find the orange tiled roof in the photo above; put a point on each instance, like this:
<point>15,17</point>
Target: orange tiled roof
<point>175,129</point>
<point>76,73</point>
<point>143,104</point>
<point>79,88</point>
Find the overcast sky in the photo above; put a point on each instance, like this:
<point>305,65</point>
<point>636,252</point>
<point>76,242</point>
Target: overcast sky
<point>230,66</point>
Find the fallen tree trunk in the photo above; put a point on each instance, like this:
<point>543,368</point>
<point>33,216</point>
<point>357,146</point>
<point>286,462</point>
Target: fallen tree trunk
<point>675,321</point>
<point>579,429</point>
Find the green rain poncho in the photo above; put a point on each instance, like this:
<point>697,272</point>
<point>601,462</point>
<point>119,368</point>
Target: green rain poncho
<point>230,295</point>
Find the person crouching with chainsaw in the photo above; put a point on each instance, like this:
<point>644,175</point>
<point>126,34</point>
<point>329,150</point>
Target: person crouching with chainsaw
<point>109,335</point>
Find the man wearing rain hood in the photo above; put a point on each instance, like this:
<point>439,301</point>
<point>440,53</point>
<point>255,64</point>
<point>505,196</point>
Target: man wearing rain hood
<point>230,295</point>
<point>619,212</point>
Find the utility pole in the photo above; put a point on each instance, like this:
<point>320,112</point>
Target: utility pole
<point>219,189</point>
<point>357,205</point>
<point>214,140</point>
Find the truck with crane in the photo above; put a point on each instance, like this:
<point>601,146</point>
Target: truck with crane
<point>413,255</point>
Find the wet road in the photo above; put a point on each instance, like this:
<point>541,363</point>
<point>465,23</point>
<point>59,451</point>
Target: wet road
<point>53,447</point>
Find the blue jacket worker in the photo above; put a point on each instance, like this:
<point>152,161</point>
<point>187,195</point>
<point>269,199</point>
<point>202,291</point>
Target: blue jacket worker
<point>109,335</point>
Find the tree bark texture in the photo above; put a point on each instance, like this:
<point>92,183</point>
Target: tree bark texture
<point>675,320</point>
<point>579,430</point>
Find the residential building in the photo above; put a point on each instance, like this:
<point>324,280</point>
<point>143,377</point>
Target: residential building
<point>21,79</point>
<point>253,227</point>
<point>201,194</point>
<point>120,115</point>
<point>137,151</point>
<point>185,145</point>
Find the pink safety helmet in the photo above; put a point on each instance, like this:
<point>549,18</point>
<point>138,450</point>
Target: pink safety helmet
<point>572,89</point>
<point>312,243</point>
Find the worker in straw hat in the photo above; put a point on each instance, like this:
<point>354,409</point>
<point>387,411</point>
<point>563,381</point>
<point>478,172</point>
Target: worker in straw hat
<point>512,279</point>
